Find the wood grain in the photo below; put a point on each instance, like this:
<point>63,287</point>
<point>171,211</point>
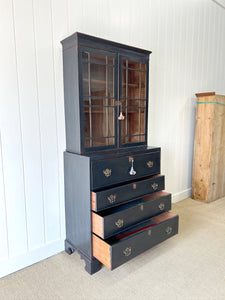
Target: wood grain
<point>163,217</point>
<point>205,94</point>
<point>93,201</point>
<point>97,224</point>
<point>155,195</point>
<point>101,251</point>
<point>208,181</point>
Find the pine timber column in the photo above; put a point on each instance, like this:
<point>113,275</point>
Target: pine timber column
<point>208,181</point>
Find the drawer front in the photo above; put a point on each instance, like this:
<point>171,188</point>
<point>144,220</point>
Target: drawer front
<point>135,245</point>
<point>111,197</point>
<point>114,254</point>
<point>131,213</point>
<point>117,170</point>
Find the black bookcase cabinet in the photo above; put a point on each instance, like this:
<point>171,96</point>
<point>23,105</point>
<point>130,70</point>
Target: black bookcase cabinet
<point>114,200</point>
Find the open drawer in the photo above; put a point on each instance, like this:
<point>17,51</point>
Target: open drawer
<point>121,248</point>
<point>107,198</point>
<point>112,221</point>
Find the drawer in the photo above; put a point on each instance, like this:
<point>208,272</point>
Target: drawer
<point>111,197</point>
<point>110,222</point>
<point>116,170</point>
<point>118,250</point>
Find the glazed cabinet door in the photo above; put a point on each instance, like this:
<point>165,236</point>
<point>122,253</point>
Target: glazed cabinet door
<point>133,96</point>
<point>98,92</point>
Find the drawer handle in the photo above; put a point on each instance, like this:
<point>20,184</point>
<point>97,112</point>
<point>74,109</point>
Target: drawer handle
<point>107,172</point>
<point>121,116</point>
<point>150,163</point>
<point>169,230</point>
<point>112,198</point>
<point>155,186</point>
<point>119,223</point>
<point>161,206</point>
<point>127,251</point>
<point>132,171</point>
<point>134,186</point>
<point>141,207</point>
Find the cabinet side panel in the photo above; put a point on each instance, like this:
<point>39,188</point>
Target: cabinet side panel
<point>202,149</point>
<point>71,98</point>
<point>77,202</point>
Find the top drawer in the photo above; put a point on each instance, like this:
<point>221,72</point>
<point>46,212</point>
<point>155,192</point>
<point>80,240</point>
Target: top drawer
<point>121,169</point>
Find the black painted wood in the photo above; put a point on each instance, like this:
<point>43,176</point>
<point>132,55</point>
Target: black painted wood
<point>71,99</point>
<point>129,247</point>
<point>77,202</point>
<point>109,172</point>
<point>85,168</point>
<point>95,42</point>
<point>72,69</point>
<point>127,192</point>
<point>120,218</point>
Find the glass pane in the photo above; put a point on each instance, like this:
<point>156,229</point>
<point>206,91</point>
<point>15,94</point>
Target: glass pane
<point>99,142</point>
<point>143,67</point>
<point>133,84</point>
<point>102,101</point>
<point>85,88</point>
<point>142,138</point>
<point>99,122</point>
<point>98,97</point>
<point>98,59</point>
<point>110,81</point>
<point>124,83</point>
<point>133,102</point>
<point>143,116</point>
<point>103,142</point>
<point>133,77</point>
<point>87,143</point>
<point>143,85</point>
<point>86,123</point>
<point>134,65</point>
<point>110,60</point>
<point>98,80</point>
<point>85,64</point>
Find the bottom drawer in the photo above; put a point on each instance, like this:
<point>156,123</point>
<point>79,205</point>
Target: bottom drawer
<point>123,247</point>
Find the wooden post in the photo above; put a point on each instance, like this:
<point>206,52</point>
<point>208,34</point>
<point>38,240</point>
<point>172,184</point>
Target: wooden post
<point>208,181</point>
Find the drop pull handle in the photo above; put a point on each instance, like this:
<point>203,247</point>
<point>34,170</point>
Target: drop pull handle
<point>121,116</point>
<point>132,171</point>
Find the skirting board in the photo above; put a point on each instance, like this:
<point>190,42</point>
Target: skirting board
<point>24,260</point>
<point>181,195</point>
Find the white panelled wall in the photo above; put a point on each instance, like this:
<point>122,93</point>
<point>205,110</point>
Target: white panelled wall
<point>187,39</point>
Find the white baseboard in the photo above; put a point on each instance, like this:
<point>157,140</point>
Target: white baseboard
<point>181,195</point>
<point>24,260</point>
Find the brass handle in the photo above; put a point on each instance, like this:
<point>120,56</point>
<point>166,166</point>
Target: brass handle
<point>150,163</point>
<point>155,186</point>
<point>119,223</point>
<point>127,251</point>
<point>112,198</point>
<point>107,172</point>
<point>149,232</point>
<point>132,171</point>
<point>141,207</point>
<point>169,230</point>
<point>161,206</point>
